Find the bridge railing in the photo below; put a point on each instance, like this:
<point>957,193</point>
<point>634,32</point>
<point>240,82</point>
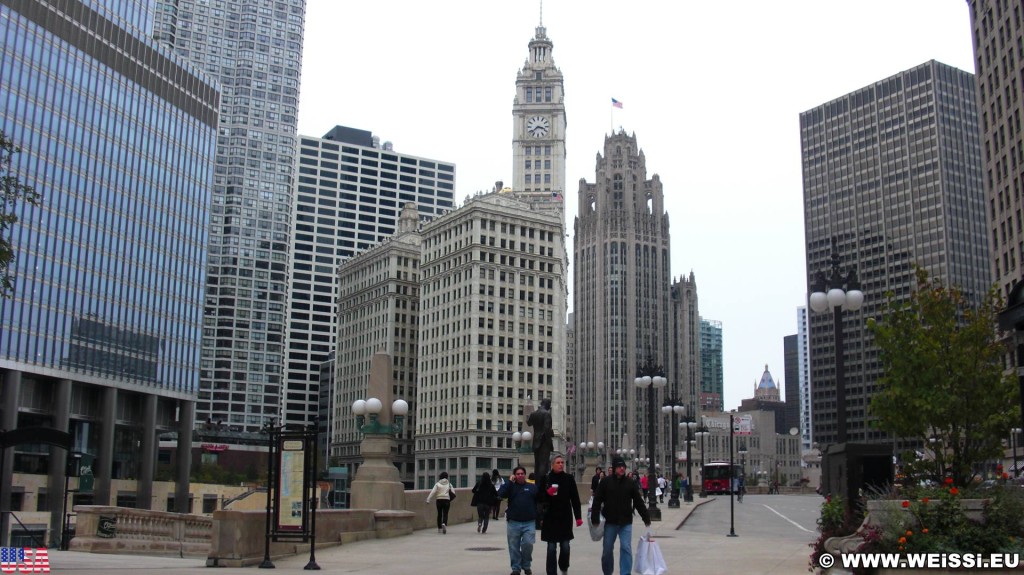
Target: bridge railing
<point>104,529</point>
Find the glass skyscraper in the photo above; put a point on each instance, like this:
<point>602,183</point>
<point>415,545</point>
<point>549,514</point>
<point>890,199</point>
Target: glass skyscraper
<point>101,336</point>
<point>712,374</point>
<point>254,49</point>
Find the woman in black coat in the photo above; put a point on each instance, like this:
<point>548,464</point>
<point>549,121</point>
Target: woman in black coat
<point>484,496</point>
<point>560,502</point>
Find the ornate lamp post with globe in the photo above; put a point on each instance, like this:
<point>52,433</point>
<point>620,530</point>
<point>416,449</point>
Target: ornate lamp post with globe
<point>843,292</point>
<point>650,376</point>
<point>702,432</point>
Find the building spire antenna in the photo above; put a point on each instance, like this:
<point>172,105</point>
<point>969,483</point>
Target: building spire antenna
<point>541,12</point>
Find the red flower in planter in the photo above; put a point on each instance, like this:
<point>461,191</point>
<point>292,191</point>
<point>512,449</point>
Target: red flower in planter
<point>906,504</point>
<point>925,500</point>
<point>948,481</point>
<point>954,491</point>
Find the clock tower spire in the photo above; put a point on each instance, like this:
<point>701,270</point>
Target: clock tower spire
<point>538,121</point>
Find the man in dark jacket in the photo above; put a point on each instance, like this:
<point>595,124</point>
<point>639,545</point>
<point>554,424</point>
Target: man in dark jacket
<point>560,500</point>
<point>521,527</point>
<point>617,498</point>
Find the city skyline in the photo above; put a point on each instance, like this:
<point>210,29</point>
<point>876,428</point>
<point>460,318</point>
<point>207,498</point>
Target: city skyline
<point>748,100</point>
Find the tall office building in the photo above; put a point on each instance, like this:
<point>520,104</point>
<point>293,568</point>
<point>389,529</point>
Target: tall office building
<point>573,436</point>
<point>622,297</point>
<point>804,375</point>
<point>998,50</point>
<point>791,363</point>
<point>687,357</point>
<point>254,50</point>
<point>712,390</point>
<point>539,122</point>
<point>378,310</point>
<point>892,180</point>
<point>100,338</point>
<point>351,190</point>
<point>998,36</point>
<point>491,333</point>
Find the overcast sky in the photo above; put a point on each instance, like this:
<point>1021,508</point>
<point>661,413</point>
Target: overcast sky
<point>712,91</point>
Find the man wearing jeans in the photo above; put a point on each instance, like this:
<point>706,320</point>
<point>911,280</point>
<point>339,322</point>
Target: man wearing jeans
<point>521,520</point>
<point>617,497</point>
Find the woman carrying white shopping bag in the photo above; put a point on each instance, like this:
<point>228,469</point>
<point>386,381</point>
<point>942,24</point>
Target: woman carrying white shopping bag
<point>649,560</point>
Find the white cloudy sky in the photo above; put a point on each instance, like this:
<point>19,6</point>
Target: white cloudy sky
<point>712,89</point>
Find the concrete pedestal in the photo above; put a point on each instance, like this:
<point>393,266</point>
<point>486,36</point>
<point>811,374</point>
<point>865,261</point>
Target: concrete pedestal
<point>377,484</point>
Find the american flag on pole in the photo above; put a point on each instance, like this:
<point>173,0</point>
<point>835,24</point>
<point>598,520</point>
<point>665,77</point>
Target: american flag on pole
<point>616,104</point>
<point>24,560</point>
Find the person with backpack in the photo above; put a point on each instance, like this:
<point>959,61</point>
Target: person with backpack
<point>485,496</point>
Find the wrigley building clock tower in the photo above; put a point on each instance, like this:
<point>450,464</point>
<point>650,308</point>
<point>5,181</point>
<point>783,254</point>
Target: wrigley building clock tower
<point>538,122</point>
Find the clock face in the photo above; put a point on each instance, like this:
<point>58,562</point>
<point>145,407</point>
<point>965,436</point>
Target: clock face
<point>537,126</point>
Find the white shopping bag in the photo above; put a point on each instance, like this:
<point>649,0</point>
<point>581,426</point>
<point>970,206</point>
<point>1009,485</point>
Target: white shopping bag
<point>648,559</point>
<point>596,531</point>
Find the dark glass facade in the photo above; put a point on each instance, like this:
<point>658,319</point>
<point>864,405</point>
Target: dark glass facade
<point>118,138</point>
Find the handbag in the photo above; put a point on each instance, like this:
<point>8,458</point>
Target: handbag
<point>451,494</point>
<point>596,531</point>
<point>648,559</point>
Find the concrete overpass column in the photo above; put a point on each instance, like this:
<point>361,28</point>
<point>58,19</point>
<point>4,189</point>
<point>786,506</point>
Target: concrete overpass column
<point>58,461</point>
<point>104,467</point>
<point>8,421</point>
<point>147,463</point>
<point>186,421</point>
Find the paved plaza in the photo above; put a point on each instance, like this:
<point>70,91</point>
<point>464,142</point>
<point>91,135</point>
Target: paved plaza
<point>464,551</point>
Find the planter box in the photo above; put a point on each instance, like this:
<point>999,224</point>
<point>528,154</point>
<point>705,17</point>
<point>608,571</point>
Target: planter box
<point>878,511</point>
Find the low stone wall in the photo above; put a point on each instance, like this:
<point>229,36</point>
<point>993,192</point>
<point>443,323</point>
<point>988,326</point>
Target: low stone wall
<point>237,538</point>
<point>140,531</point>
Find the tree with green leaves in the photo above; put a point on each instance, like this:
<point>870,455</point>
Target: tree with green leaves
<point>13,192</point>
<point>944,381</point>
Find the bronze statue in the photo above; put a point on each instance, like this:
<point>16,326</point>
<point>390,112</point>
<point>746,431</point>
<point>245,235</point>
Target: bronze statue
<point>543,445</point>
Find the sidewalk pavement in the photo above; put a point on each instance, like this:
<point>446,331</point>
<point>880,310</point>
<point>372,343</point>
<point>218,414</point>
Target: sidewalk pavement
<point>464,551</point>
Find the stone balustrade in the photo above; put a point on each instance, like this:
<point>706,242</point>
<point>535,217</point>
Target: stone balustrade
<point>140,531</point>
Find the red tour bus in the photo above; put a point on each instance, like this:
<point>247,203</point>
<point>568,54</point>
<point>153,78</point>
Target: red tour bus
<point>716,476</point>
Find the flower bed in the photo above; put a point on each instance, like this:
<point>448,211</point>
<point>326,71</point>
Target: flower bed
<point>938,520</point>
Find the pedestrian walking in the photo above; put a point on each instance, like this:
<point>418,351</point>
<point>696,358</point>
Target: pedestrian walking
<point>560,503</point>
<point>594,481</point>
<point>484,497</point>
<point>521,524</point>
<point>498,481</point>
<point>662,487</point>
<point>441,494</point>
<point>617,498</point>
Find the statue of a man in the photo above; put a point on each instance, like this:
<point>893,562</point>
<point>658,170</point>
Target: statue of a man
<point>543,444</point>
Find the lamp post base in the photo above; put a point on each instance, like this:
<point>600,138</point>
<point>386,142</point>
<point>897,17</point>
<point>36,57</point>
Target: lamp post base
<point>654,512</point>
<point>673,501</point>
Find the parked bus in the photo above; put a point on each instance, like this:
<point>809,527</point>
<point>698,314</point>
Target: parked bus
<point>716,476</point>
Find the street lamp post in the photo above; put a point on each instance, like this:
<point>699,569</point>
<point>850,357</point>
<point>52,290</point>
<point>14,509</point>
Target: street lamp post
<point>843,293</point>
<point>651,376</point>
<point>702,432</point>
<point>1013,440</point>
<point>674,409</point>
<point>743,469</point>
<point>732,471</point>
<point>689,425</point>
